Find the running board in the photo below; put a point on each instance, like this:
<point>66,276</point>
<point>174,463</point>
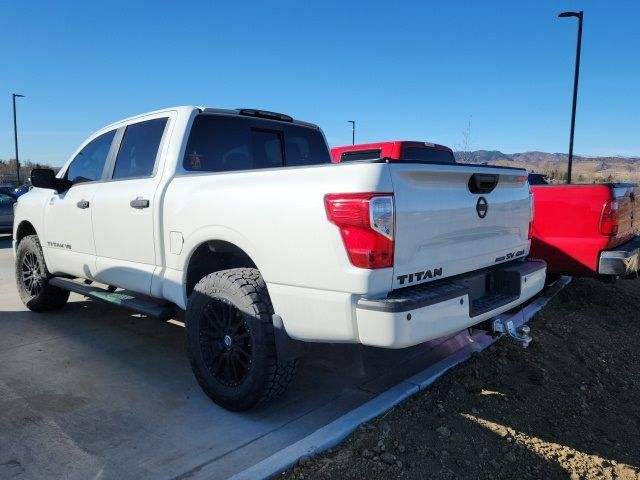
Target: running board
<point>124,298</point>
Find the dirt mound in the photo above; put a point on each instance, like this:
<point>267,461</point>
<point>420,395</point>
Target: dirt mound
<point>566,407</point>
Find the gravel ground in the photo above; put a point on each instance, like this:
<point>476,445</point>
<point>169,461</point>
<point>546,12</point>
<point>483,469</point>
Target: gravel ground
<point>566,407</point>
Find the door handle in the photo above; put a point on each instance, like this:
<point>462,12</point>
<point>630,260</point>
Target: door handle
<point>83,204</point>
<point>139,203</point>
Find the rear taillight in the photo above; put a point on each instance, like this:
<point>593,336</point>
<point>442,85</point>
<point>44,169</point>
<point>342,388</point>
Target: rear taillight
<point>367,224</point>
<point>609,218</point>
<point>531,215</point>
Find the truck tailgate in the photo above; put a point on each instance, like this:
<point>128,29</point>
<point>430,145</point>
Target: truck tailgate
<point>452,219</point>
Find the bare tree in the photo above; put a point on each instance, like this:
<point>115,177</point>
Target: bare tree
<point>8,170</point>
<point>465,155</point>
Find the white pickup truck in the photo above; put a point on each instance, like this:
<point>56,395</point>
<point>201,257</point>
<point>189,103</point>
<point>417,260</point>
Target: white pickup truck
<point>240,218</point>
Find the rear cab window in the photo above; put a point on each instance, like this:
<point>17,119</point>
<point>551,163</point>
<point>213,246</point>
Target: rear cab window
<point>427,154</point>
<point>224,143</point>
<point>355,155</point>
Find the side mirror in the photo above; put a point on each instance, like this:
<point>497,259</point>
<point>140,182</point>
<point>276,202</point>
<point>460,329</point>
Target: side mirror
<point>44,178</point>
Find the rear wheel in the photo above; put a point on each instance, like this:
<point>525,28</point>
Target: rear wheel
<point>231,342</point>
<point>32,278</point>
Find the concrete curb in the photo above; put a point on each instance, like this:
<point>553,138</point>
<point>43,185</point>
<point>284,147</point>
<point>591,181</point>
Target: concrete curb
<point>334,432</point>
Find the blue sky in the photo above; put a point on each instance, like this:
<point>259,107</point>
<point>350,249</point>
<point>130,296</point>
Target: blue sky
<point>412,70</point>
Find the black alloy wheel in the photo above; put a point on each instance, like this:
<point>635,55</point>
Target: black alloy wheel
<point>225,343</point>
<point>31,274</point>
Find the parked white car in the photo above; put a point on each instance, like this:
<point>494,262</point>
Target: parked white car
<point>240,218</point>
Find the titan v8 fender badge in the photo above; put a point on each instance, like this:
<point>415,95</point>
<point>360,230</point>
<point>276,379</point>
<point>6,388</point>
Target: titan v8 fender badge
<point>482,207</point>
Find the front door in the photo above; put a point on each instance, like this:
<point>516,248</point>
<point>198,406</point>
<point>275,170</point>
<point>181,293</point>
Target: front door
<point>68,236</point>
<point>125,204</point>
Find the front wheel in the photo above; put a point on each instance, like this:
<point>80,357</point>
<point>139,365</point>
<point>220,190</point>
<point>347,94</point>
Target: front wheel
<point>32,278</point>
<point>231,342</point>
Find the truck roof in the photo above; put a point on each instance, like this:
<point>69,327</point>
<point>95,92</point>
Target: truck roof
<point>187,109</point>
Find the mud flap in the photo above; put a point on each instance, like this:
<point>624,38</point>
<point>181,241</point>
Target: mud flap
<point>287,348</point>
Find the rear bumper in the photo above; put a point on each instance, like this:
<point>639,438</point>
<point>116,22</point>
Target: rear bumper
<point>415,315</point>
<point>622,260</point>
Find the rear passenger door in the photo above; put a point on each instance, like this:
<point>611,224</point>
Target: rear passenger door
<point>125,207</point>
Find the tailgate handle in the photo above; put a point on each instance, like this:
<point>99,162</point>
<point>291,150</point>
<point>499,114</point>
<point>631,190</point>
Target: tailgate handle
<point>483,182</point>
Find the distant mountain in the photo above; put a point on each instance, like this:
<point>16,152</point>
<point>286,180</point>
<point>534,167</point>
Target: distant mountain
<point>536,158</point>
<point>554,165</point>
<point>482,156</point>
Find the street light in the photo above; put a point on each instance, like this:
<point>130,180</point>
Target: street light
<point>15,135</point>
<point>579,15</point>
<point>353,131</point>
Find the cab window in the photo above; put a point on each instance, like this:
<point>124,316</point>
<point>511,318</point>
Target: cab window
<point>88,165</point>
<point>139,149</point>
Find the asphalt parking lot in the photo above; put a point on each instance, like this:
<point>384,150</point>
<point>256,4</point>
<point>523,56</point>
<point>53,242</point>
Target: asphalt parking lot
<point>97,392</point>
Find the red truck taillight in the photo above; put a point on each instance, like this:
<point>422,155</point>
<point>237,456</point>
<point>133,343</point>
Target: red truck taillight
<point>531,215</point>
<point>367,225</point>
<point>609,218</point>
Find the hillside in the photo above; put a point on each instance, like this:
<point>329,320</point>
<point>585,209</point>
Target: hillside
<point>554,165</point>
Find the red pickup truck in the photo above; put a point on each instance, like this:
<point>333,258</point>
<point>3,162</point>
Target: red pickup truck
<point>580,230</point>
<point>586,229</point>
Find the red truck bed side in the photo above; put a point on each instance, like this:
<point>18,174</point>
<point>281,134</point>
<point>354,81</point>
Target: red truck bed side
<point>567,225</point>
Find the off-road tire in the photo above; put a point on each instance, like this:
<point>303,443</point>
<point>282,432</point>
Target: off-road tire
<point>46,298</point>
<point>266,377</point>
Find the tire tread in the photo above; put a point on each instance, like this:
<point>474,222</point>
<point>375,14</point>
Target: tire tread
<point>50,298</point>
<point>249,284</point>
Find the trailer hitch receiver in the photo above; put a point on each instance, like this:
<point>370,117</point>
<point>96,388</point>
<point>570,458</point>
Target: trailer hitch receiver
<point>520,335</point>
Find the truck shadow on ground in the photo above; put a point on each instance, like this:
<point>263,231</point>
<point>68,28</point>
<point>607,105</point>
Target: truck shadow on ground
<point>107,379</point>
<point>156,350</point>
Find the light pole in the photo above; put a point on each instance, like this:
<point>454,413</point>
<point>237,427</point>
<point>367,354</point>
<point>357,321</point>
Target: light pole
<point>15,135</point>
<point>353,131</point>
<point>579,16</point>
